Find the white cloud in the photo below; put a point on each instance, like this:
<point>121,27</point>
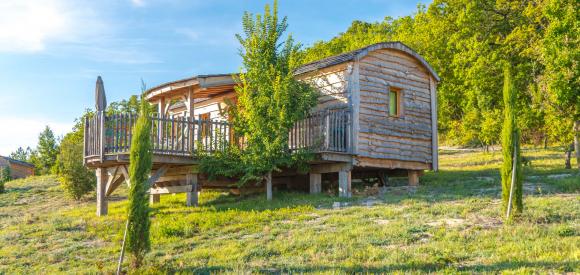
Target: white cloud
<point>23,132</point>
<point>138,3</point>
<point>28,25</point>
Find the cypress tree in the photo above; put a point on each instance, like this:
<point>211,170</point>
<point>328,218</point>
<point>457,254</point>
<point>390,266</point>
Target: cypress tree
<point>138,243</point>
<point>510,138</point>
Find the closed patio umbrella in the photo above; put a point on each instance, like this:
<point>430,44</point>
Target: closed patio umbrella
<point>100,97</point>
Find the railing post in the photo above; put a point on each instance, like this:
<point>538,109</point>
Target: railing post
<point>348,133</point>
<point>85,138</point>
<point>326,129</point>
<point>102,135</point>
<point>190,133</point>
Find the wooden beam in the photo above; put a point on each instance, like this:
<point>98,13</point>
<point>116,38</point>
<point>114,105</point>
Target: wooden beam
<point>354,87</point>
<point>344,183</point>
<point>192,197</point>
<point>160,172</point>
<point>171,189</point>
<point>112,176</point>
<point>390,163</point>
<point>413,177</point>
<point>329,168</point>
<point>123,170</point>
<point>154,198</point>
<point>434,130</point>
<point>115,184</point>
<point>315,183</point>
<point>102,207</point>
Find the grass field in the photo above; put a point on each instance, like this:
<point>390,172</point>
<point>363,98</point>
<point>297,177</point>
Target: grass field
<point>451,223</point>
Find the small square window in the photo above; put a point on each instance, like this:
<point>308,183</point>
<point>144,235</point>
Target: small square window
<point>394,100</point>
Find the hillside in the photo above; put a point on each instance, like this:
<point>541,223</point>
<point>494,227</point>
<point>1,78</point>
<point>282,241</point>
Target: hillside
<point>451,223</point>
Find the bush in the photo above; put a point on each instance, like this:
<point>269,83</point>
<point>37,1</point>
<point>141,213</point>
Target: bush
<point>4,177</point>
<point>75,178</point>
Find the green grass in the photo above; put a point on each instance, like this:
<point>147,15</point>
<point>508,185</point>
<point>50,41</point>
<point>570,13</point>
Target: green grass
<point>452,223</point>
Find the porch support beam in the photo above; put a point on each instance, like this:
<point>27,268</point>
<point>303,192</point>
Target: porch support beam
<point>154,198</point>
<point>192,197</point>
<point>315,183</point>
<point>413,177</point>
<point>344,183</point>
<point>102,206</point>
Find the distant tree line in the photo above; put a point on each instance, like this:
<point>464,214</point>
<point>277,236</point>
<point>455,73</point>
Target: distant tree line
<point>466,42</point>
<point>63,157</point>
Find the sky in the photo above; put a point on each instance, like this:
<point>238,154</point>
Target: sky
<point>51,51</point>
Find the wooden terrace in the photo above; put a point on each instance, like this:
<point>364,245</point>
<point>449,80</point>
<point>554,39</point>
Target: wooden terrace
<point>177,140</point>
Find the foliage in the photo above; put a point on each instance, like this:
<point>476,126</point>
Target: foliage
<point>269,101</point>
<point>510,139</point>
<point>465,41</point>
<point>124,106</point>
<point>138,243</point>
<point>21,154</point>
<point>44,157</point>
<point>75,178</point>
<point>5,176</point>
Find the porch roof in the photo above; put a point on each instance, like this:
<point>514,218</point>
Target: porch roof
<point>203,86</point>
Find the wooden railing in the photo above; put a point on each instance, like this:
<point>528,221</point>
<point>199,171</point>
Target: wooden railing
<point>327,131</point>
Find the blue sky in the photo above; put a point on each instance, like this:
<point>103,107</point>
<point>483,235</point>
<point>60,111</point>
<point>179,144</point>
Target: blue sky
<point>51,51</point>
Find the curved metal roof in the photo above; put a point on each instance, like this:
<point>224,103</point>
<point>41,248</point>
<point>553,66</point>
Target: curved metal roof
<point>362,52</point>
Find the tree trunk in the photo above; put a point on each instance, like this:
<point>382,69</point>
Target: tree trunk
<point>577,142</point>
<point>568,156</point>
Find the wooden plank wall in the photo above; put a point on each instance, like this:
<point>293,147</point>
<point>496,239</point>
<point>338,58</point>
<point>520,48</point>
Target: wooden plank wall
<point>331,82</point>
<point>405,138</point>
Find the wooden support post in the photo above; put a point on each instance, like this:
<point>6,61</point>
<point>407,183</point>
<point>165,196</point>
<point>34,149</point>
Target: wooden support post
<point>413,177</point>
<point>315,183</point>
<point>193,195</point>
<point>269,186</point>
<point>154,198</point>
<point>102,207</point>
<point>344,183</point>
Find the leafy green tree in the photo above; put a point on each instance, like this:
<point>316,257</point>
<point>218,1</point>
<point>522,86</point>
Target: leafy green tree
<point>510,138</point>
<point>138,242</point>
<point>21,154</point>
<point>75,178</point>
<point>269,101</point>
<point>465,41</point>
<point>560,54</point>
<point>4,177</point>
<point>124,106</point>
<point>44,157</point>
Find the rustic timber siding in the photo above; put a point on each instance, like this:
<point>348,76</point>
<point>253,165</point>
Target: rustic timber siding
<point>407,137</point>
<point>331,82</point>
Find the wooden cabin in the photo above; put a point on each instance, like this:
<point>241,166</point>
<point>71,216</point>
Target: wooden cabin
<point>376,116</point>
<point>18,169</point>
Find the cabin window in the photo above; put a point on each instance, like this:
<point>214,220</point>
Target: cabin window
<point>394,102</point>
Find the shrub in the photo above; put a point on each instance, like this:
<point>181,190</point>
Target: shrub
<point>4,177</point>
<point>75,178</point>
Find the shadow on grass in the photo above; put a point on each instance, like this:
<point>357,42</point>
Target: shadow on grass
<point>566,266</point>
<point>445,185</point>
